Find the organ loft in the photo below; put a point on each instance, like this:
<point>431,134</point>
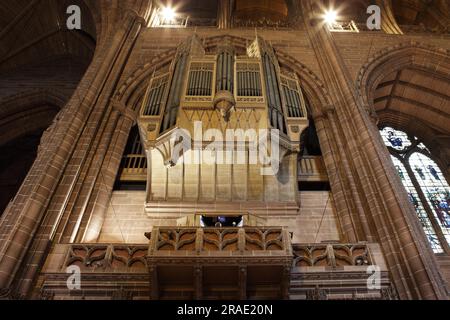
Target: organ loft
<point>229,149</point>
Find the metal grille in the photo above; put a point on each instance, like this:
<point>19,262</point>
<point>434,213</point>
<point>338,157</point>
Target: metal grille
<point>155,96</point>
<point>200,79</point>
<point>248,80</point>
<point>293,97</point>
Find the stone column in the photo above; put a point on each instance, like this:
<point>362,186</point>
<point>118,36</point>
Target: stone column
<point>376,189</point>
<point>38,218</point>
<point>92,219</point>
<point>337,179</point>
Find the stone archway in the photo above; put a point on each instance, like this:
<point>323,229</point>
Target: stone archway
<point>23,120</point>
<point>133,89</point>
<point>406,86</point>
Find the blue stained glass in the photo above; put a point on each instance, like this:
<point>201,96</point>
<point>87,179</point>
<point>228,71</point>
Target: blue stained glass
<point>420,172</point>
<point>433,185</point>
<point>400,172</point>
<point>415,200</point>
<point>395,139</point>
<point>435,188</point>
<point>433,172</point>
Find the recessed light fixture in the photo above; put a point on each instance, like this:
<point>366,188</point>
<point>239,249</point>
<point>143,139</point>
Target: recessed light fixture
<point>168,14</point>
<point>330,17</point>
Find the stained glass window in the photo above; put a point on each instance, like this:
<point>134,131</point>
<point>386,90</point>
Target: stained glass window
<point>435,188</point>
<point>415,200</point>
<point>395,139</point>
<point>415,167</point>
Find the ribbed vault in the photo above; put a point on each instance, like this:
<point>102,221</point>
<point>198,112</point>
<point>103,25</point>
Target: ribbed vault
<point>31,30</point>
<point>409,83</point>
<point>411,94</point>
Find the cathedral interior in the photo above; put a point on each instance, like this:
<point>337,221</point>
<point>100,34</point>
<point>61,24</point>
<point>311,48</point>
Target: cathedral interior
<point>225,149</point>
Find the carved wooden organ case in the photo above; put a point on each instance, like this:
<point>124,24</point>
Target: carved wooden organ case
<point>203,101</point>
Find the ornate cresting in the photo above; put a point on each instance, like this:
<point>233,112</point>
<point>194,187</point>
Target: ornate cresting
<point>203,263</point>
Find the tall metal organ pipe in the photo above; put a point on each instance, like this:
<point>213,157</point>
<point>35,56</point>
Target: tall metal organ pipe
<point>173,103</point>
<point>225,71</point>
<point>276,114</point>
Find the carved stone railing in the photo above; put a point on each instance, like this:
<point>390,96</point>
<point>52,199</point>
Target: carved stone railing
<point>107,271</point>
<point>259,259</point>
<point>331,255</point>
<point>170,241</point>
<point>278,268</point>
<point>99,257</point>
<point>339,271</point>
<point>342,26</point>
<point>192,241</point>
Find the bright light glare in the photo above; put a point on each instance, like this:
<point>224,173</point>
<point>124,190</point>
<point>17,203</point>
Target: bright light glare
<point>168,14</point>
<point>330,16</point>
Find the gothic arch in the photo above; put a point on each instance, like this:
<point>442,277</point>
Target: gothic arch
<point>133,89</point>
<point>405,86</point>
<point>28,112</point>
<point>427,60</point>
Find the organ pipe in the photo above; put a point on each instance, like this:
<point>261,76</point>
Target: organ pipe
<point>276,115</point>
<point>225,71</point>
<point>173,103</point>
<point>293,99</point>
<point>155,96</point>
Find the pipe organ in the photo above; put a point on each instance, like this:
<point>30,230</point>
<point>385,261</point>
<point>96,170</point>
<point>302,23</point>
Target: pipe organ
<point>173,102</point>
<point>221,90</point>
<point>200,79</point>
<point>295,102</point>
<point>225,70</point>
<point>276,114</point>
<point>248,79</point>
<point>155,95</point>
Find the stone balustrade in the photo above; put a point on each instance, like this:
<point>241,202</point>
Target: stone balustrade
<point>256,262</point>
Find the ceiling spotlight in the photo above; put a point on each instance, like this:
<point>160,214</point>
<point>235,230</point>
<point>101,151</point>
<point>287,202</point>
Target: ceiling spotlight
<point>330,17</point>
<point>168,14</point>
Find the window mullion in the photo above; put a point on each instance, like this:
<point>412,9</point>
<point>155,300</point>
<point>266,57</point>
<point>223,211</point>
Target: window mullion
<point>428,209</point>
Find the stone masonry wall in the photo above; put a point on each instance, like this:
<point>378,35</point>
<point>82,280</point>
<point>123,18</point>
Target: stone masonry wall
<point>126,220</point>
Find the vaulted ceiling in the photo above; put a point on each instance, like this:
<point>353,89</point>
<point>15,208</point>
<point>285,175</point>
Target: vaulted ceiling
<point>433,14</point>
<point>35,29</point>
<point>416,95</point>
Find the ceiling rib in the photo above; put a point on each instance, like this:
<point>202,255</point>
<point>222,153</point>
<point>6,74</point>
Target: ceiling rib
<point>394,87</point>
<point>416,103</point>
<point>415,86</point>
<point>24,11</point>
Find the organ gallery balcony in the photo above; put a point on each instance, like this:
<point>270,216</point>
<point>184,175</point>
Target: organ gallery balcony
<point>226,263</point>
<point>215,263</point>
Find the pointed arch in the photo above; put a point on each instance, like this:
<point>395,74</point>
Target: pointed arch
<point>405,87</point>
<point>133,89</point>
